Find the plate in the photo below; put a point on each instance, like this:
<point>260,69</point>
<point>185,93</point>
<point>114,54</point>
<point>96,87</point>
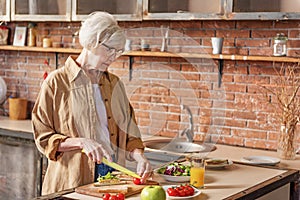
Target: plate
<point>3,90</point>
<point>197,192</point>
<point>218,165</point>
<point>261,160</point>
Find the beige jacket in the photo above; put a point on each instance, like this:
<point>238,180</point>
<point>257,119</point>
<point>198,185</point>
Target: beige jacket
<point>65,108</point>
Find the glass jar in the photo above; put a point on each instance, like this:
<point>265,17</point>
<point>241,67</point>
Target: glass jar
<point>279,48</point>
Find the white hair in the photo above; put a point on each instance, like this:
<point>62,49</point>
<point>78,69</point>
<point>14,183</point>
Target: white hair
<point>98,28</point>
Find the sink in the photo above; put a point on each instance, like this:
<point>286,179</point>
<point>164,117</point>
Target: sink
<point>177,146</point>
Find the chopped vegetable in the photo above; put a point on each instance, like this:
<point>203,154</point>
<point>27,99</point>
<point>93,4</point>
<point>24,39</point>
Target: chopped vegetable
<point>175,169</point>
<point>107,178</point>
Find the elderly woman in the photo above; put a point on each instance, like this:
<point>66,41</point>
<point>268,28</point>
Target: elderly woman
<point>83,106</point>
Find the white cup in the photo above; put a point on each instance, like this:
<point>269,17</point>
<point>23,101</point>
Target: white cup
<point>128,45</point>
<point>217,45</point>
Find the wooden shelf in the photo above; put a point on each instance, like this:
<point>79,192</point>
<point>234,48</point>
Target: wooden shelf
<point>212,56</point>
<point>39,49</point>
<point>160,54</point>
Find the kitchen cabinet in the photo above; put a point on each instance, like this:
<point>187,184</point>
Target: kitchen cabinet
<point>265,9</point>
<point>221,9</point>
<point>182,9</point>
<point>40,10</point>
<point>4,10</point>
<point>138,10</point>
<point>21,166</point>
<point>122,9</point>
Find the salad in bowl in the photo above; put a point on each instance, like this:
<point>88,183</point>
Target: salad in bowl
<point>175,172</point>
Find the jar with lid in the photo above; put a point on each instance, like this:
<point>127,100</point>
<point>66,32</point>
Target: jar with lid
<point>279,48</point>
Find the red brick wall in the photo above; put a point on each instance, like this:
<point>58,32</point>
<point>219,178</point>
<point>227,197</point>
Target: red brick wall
<point>235,113</point>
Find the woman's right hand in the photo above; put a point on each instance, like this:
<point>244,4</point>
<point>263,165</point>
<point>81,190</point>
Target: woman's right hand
<point>94,150</point>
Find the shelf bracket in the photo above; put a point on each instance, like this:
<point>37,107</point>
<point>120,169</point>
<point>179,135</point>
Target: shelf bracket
<point>220,68</point>
<point>56,60</point>
<point>131,60</point>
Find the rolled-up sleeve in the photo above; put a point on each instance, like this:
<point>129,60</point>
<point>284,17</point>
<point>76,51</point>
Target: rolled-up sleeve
<point>46,138</point>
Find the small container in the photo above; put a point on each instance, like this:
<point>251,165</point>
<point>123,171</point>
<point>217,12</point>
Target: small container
<point>128,45</point>
<point>17,108</point>
<point>47,42</point>
<point>31,35</point>
<point>279,48</point>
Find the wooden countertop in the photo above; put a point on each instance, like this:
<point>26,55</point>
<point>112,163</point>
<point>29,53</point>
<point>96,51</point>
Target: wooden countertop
<point>221,184</point>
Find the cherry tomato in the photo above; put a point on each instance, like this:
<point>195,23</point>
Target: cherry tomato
<point>182,193</point>
<point>172,192</point>
<point>121,196</point>
<point>191,189</point>
<point>113,197</point>
<point>137,181</point>
<point>106,196</point>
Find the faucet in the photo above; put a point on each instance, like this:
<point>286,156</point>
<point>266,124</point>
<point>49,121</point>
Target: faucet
<point>189,132</point>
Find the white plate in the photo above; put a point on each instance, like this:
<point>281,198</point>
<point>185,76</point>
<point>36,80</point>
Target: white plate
<point>174,178</point>
<point>3,90</point>
<point>196,193</point>
<point>261,160</point>
<point>216,166</point>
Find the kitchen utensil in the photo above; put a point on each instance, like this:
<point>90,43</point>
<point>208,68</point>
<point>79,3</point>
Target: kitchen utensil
<point>132,189</point>
<point>118,167</point>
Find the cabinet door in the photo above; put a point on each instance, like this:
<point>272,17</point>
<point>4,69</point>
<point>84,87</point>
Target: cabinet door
<point>4,10</point>
<point>20,169</point>
<point>183,9</point>
<point>41,10</point>
<point>121,9</point>
<point>266,9</point>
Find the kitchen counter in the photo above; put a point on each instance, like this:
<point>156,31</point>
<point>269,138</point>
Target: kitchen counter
<point>219,184</point>
<point>235,181</point>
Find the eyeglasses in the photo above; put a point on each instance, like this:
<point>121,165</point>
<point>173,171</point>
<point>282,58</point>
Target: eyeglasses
<point>113,51</point>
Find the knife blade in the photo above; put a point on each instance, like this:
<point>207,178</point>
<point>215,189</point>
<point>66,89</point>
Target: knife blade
<point>118,167</point>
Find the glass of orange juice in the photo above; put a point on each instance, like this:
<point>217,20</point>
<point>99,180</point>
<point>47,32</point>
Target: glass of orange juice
<point>197,172</point>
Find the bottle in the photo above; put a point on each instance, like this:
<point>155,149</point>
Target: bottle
<point>279,48</point>
<point>31,36</point>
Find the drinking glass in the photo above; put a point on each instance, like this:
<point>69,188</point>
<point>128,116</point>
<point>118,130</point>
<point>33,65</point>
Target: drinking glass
<point>197,172</point>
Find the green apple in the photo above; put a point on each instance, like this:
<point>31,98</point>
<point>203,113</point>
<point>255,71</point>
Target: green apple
<point>153,192</point>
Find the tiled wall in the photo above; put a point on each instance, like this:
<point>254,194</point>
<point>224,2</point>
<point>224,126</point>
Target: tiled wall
<point>234,113</point>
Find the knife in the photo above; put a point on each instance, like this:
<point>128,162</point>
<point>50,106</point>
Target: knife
<point>118,167</point>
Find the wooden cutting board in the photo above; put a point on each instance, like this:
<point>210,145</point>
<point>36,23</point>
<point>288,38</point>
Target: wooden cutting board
<point>93,190</point>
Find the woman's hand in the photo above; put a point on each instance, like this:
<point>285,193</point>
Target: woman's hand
<point>91,148</point>
<point>144,168</point>
<point>94,150</point>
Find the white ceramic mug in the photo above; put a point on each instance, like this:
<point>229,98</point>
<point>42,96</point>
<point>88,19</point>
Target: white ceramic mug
<point>217,44</point>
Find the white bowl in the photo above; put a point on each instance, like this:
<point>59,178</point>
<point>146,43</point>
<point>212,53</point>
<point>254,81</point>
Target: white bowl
<point>174,178</point>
